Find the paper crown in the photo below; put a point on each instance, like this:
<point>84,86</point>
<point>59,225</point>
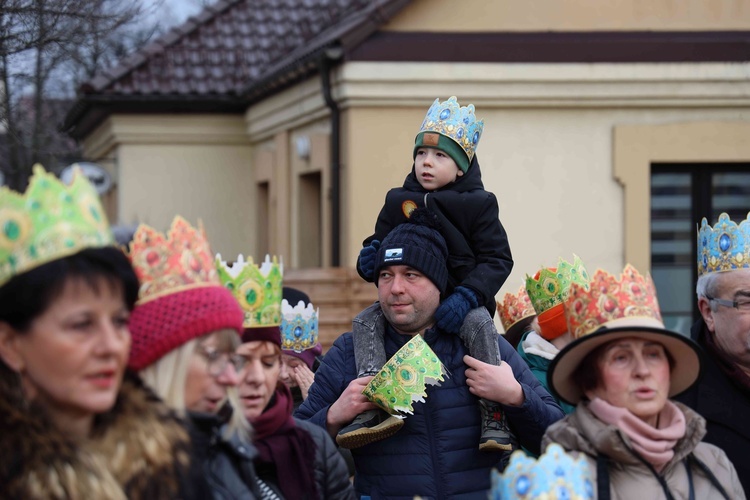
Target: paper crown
<point>552,285</point>
<point>610,298</point>
<point>724,247</point>
<point>49,221</point>
<point>458,123</point>
<point>555,475</point>
<point>257,289</point>
<point>404,378</point>
<point>173,262</point>
<point>299,326</point>
<point>514,308</point>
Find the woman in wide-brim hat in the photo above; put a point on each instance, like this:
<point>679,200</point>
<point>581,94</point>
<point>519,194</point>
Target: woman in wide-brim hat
<point>620,372</point>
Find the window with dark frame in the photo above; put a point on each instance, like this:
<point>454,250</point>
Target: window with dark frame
<point>681,195</point>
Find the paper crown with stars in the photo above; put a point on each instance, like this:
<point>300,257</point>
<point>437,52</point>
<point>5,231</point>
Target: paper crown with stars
<point>555,474</point>
<point>723,247</point>
<point>258,289</point>
<point>49,221</point>
<point>452,128</point>
<point>299,326</point>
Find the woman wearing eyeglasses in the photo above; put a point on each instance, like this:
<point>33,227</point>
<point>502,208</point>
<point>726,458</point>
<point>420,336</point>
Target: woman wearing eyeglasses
<point>185,328</point>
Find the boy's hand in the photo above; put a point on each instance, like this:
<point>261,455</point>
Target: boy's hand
<point>367,259</point>
<point>452,311</point>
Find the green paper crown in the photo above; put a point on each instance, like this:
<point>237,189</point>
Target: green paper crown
<point>552,286</point>
<point>404,378</point>
<point>257,289</point>
<point>48,222</point>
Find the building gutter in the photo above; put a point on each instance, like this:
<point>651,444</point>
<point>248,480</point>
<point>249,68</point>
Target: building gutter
<point>328,59</point>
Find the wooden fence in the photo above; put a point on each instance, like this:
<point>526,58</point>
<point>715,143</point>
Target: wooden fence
<point>338,292</point>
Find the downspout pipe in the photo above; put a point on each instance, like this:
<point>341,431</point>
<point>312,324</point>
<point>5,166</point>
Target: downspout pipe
<point>330,56</point>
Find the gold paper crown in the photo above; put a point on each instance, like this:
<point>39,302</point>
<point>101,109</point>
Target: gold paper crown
<point>257,289</point>
<point>724,247</point>
<point>48,222</point>
<point>552,285</point>
<point>179,261</point>
<point>610,298</point>
<point>514,308</point>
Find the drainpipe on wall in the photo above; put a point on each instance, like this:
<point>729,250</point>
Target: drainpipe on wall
<point>330,56</point>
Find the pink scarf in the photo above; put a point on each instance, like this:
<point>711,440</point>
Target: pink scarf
<point>655,444</point>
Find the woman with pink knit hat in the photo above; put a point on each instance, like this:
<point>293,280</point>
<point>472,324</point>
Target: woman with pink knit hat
<point>185,329</point>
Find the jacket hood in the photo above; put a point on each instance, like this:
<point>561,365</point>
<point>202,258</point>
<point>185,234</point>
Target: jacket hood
<point>470,181</point>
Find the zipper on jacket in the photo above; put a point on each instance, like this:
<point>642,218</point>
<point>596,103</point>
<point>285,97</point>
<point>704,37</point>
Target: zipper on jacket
<point>425,199</point>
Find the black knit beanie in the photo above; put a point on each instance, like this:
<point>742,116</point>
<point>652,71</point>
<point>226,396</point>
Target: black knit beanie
<point>418,244</point>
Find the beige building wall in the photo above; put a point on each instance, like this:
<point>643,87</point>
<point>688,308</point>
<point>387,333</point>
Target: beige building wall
<point>551,137</point>
<point>572,15</point>
<point>194,166</point>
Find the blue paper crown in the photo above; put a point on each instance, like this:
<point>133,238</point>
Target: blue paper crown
<point>299,326</point>
<point>555,475</point>
<point>458,123</point>
<point>724,247</point>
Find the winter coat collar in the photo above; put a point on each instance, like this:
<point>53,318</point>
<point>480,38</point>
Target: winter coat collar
<point>582,431</point>
<point>134,452</point>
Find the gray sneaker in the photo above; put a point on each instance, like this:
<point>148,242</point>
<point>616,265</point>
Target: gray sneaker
<point>368,427</point>
<point>496,435</point>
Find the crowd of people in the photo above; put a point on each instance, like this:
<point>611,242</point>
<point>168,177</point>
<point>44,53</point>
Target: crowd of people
<point>159,370</point>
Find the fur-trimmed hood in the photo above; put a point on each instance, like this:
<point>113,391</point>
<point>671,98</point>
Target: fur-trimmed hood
<point>137,450</point>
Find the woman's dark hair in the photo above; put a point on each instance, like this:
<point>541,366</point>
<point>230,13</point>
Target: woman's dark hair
<point>588,377</point>
<point>26,296</point>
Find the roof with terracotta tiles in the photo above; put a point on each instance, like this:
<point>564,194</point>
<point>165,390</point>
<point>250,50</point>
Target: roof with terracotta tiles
<point>231,54</point>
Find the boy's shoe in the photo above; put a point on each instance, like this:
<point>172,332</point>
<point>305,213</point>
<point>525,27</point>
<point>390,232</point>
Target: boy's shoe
<point>496,435</point>
<point>368,427</point>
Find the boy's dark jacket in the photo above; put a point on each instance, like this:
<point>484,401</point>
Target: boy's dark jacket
<point>477,243</point>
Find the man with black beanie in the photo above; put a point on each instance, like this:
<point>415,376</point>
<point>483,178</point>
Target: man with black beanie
<point>434,454</point>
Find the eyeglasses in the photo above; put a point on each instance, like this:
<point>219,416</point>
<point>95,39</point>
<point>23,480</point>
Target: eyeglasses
<point>743,305</point>
<point>217,361</point>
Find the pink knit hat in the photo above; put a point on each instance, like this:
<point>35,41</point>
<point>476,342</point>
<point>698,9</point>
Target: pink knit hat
<point>180,296</point>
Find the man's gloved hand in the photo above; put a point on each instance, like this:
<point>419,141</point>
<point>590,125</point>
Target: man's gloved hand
<point>367,259</point>
<point>452,311</point>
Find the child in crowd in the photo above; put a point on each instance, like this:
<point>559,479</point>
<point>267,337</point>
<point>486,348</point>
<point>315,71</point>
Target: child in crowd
<point>446,181</point>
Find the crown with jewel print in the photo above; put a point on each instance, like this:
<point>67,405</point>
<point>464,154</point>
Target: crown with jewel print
<point>257,288</point>
<point>457,123</point>
<point>49,221</point>
<point>299,326</point>
<point>724,247</point>
<point>555,474</point>
<point>548,289</point>
<point>180,297</point>
<point>514,308</point>
<point>169,263</point>
<point>609,298</point>
<point>618,307</point>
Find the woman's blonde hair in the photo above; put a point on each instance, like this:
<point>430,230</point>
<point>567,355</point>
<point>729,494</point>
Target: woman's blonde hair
<point>168,375</point>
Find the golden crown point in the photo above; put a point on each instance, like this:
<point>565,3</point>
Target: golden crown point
<point>610,298</point>
<point>550,286</point>
<point>169,263</point>
<point>49,221</point>
<point>257,289</point>
<point>514,308</point>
